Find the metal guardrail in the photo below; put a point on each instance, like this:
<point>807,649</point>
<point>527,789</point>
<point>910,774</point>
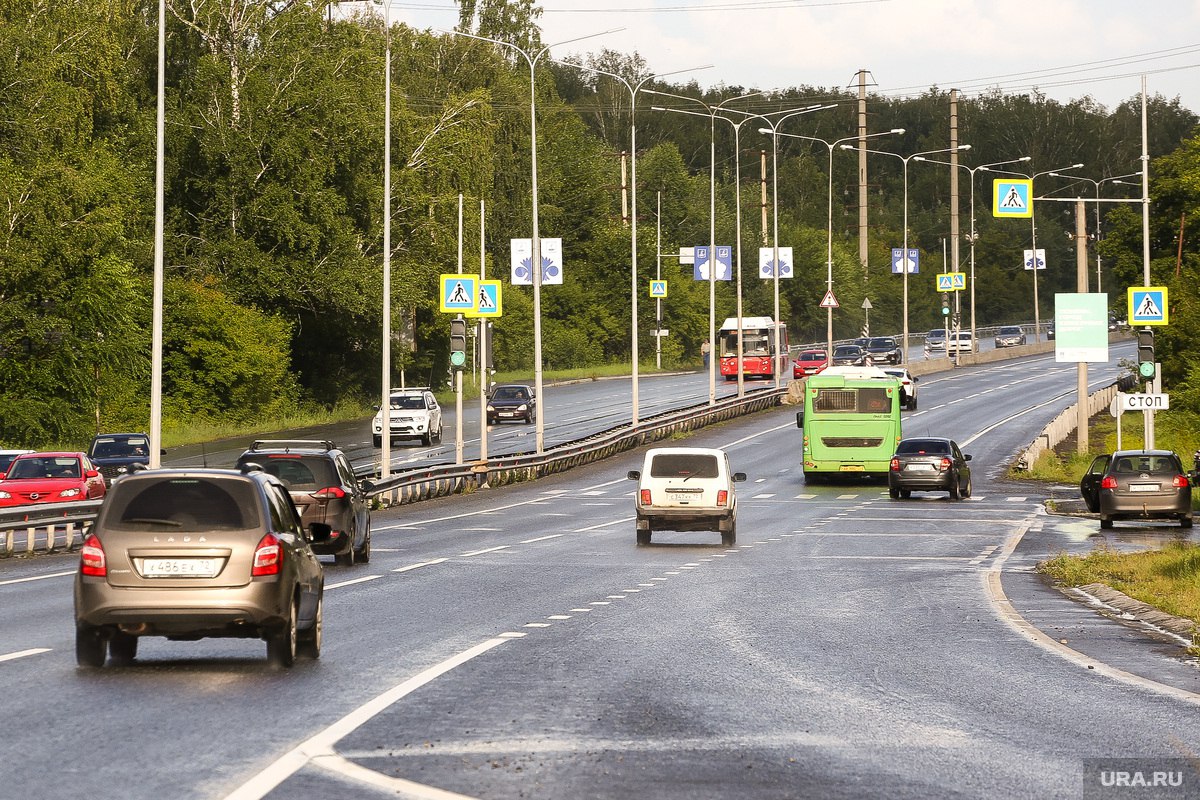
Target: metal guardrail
<point>45,526</point>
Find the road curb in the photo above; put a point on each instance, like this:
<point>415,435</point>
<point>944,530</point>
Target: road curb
<point>1106,597</point>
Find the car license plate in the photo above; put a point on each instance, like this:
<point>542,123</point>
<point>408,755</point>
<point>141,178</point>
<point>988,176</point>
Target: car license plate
<point>853,468</point>
<point>180,567</point>
<point>920,467</point>
<point>1143,487</point>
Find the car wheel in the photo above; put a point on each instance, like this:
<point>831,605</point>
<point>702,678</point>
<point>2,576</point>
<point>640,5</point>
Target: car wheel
<point>364,553</point>
<point>123,648</point>
<point>905,494</point>
<point>281,642</point>
<point>729,537</point>
<point>912,405</point>
<point>1185,522</point>
<point>427,439</point>
<point>967,489</point>
<point>1105,522</point>
<point>377,441</point>
<point>491,420</point>
<point>90,647</point>
<point>643,538</point>
<point>346,559</point>
<point>309,645</point>
<point>438,439</point>
<point>529,418</point>
<point>893,493</point>
<point>955,489</point>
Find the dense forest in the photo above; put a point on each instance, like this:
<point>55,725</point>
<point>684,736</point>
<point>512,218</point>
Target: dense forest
<point>274,190</point>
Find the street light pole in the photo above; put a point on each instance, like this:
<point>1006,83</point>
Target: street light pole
<point>633,224</point>
<point>973,235</point>
<point>156,325</point>
<point>535,241</point>
<point>831,146</point>
<point>904,252</point>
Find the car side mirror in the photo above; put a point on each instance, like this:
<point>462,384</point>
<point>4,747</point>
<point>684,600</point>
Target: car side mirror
<point>367,486</point>
<point>319,532</point>
<point>634,475</point>
<point>799,419</point>
<point>966,456</point>
<point>91,473</point>
<point>915,379</point>
<point>738,477</point>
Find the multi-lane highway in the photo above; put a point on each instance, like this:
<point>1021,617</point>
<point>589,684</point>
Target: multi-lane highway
<point>516,643</point>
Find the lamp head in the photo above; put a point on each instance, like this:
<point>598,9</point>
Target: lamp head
<point>896,130</point>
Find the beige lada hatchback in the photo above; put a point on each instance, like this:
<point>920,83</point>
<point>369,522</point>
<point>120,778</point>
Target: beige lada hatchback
<point>686,489</point>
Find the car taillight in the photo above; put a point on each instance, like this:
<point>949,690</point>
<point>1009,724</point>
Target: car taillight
<point>91,557</point>
<point>268,557</point>
<point>946,463</point>
<point>894,466</point>
<point>329,493</point>
<point>645,493</point>
<point>722,497</point>
<point>1180,482</point>
<point>1109,482</point>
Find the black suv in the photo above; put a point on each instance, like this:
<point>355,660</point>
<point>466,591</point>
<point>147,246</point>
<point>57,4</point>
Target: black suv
<point>324,488</point>
<point>117,454</point>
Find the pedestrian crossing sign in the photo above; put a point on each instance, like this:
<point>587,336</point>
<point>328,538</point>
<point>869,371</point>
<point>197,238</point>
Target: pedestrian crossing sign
<point>658,289</point>
<point>459,293</point>
<point>490,303</point>
<point>1147,305</point>
<point>1012,198</point>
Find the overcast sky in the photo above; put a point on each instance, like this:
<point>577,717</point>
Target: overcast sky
<point>1066,48</point>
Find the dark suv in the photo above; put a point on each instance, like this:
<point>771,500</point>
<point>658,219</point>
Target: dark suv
<point>117,454</point>
<point>192,553</point>
<point>324,488</point>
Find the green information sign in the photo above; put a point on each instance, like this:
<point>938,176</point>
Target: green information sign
<point>1081,327</point>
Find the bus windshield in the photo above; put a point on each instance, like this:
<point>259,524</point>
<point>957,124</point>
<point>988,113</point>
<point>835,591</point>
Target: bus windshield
<point>850,424</point>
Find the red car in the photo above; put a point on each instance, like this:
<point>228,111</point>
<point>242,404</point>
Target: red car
<point>50,478</point>
<point>809,362</point>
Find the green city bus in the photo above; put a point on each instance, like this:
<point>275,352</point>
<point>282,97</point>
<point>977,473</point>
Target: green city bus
<point>851,422</point>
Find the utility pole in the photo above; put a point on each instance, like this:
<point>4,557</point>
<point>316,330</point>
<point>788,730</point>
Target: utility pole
<point>1081,286</point>
<point>862,172</point>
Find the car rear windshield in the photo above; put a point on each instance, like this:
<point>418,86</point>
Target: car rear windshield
<point>684,465</point>
<point>1131,464</point>
<point>44,467</point>
<point>181,504</point>
<point>923,446</point>
<point>298,473</point>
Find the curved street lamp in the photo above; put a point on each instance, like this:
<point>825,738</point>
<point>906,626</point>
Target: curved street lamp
<point>1037,316</point>
<point>1096,183</point>
<point>904,253</point>
<point>973,236</point>
<point>633,216</point>
<point>536,240</point>
<point>830,146</point>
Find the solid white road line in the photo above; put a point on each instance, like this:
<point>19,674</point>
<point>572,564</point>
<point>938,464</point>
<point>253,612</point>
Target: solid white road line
<point>33,651</point>
<point>37,578</point>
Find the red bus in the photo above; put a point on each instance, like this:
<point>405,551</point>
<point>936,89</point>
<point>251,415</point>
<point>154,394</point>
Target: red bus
<point>759,357</point>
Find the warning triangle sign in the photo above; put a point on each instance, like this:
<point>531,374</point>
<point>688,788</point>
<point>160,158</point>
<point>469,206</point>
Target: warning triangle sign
<point>829,301</point>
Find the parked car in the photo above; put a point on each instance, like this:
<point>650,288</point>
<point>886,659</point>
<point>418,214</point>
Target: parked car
<point>1050,329</point>
<point>908,386</point>
<point>936,339</point>
<point>849,355</point>
<point>117,454</point>
<point>960,342</point>
<point>413,414</point>
<point>511,401</point>
<point>1137,484</point>
<point>686,489</point>
<point>883,350</point>
<point>929,464</point>
<point>809,362</point>
<point>1010,336</point>
<point>65,477</point>
<point>324,488</point>
<point>6,458</point>
<point>193,553</point>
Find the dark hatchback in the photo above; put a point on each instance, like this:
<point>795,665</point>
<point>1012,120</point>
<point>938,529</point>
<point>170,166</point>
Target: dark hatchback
<point>324,488</point>
<point>1138,484</point>
<point>883,350</point>
<point>929,464</point>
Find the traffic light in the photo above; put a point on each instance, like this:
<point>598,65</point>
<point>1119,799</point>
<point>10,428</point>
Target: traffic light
<point>945,304</point>
<point>1145,352</point>
<point>458,342</point>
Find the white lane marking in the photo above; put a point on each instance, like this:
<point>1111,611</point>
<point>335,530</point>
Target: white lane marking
<point>401,787</point>
<point>762,496</point>
<point>33,651</point>
<point>321,745</point>
<point>484,550</point>
<point>363,579</point>
<point>541,538</point>
<point>419,564</point>
<point>889,558</point>
<point>559,616</point>
<point>1004,609</point>
<point>537,625</point>
<point>603,525</point>
<point>37,578</point>
<point>987,551</point>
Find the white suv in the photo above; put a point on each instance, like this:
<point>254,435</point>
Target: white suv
<point>686,489</point>
<point>414,414</point>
